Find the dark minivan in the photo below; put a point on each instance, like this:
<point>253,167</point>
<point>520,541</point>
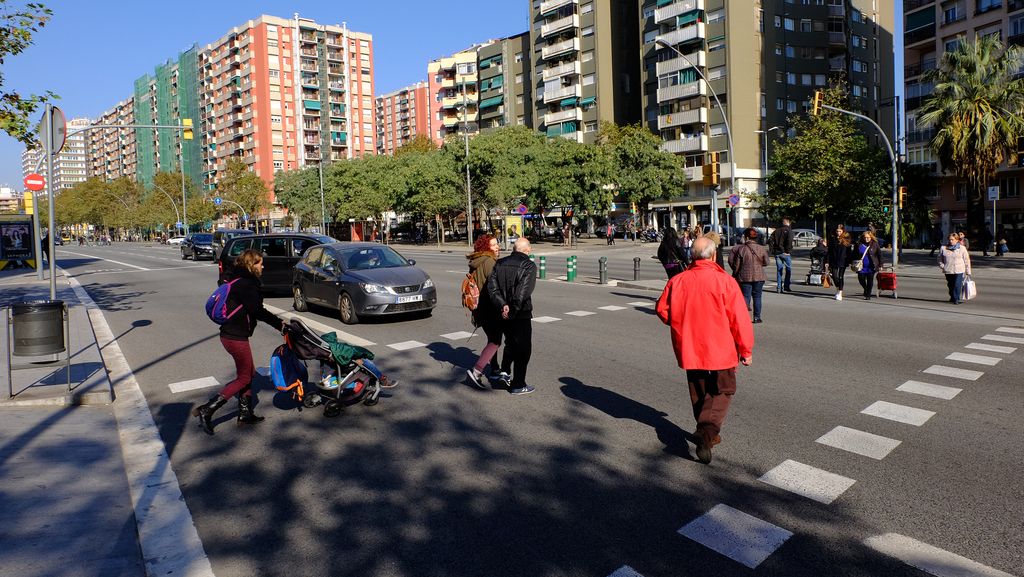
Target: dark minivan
<point>280,250</point>
<point>223,235</point>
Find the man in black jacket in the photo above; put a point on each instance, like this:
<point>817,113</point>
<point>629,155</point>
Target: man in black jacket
<point>511,288</point>
<point>780,245</point>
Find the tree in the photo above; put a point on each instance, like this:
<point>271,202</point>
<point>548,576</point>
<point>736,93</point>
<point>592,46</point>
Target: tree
<point>420,143</point>
<point>242,186</point>
<point>640,169</point>
<point>977,108</point>
<point>431,186</point>
<point>299,191</point>
<point>16,29</point>
<point>574,175</point>
<point>168,184</point>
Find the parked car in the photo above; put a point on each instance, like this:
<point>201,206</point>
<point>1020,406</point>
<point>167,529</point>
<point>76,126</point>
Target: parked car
<point>175,240</point>
<point>223,235</point>
<point>281,251</point>
<point>805,237</point>
<point>197,245</point>
<point>361,279</point>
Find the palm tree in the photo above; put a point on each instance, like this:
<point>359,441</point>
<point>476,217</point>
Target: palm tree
<point>976,106</point>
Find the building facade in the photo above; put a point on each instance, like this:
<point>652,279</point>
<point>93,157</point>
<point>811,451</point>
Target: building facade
<point>931,29</point>
<point>453,89</point>
<point>506,95</point>
<point>112,151</point>
<point>71,165</point>
<point>401,116</point>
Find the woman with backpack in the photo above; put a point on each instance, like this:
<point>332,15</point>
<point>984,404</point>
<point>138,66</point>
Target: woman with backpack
<point>485,314</point>
<point>245,306</point>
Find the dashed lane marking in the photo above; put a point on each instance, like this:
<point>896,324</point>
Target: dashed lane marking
<point>990,348</point>
<point>320,327</point>
<point>457,335</point>
<point>859,442</point>
<point>545,319</point>
<point>580,313</point>
<point>612,308</point>
<point>641,304</point>
<point>929,390</point>
<point>805,480</point>
<point>1014,330</point>
<point>406,345</point>
<point>105,259</point>
<point>966,374</point>
<point>976,359</point>
<point>625,571</point>
<point>928,558</point>
<point>203,383</point>
<point>1003,339</point>
<point>737,535</point>
<point>898,413</point>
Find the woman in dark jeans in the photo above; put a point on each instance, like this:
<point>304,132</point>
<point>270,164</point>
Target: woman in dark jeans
<point>234,337</point>
<point>838,258</point>
<point>671,253</point>
<point>870,254</point>
<point>485,254</point>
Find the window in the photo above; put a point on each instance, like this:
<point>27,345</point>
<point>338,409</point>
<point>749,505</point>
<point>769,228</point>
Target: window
<point>1008,188</point>
<point>590,126</point>
<point>790,51</point>
<point>519,99</point>
<point>805,25</point>
<point>819,80</point>
<point>588,79</point>
<point>648,12</point>
<point>986,5</point>
<point>791,78</point>
<point>716,16</point>
<point>780,76</point>
<point>716,45</point>
<point>716,73</point>
<point>587,8</point>
<point>271,43</point>
<point>952,45</point>
<point>789,24</point>
<point>588,31</point>
<point>519,78</point>
<point>716,129</point>
<point>588,56</point>
<point>778,21</point>
<point>860,66</point>
<point>275,119</point>
<point>855,15</point>
<point>278,165</point>
<point>274,73</point>
<point>780,104</point>
<point>960,192</point>
<point>805,79</point>
<point>778,49</point>
<point>791,106</point>
<point>519,56</point>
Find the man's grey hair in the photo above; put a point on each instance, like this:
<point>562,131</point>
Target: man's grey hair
<point>703,249</point>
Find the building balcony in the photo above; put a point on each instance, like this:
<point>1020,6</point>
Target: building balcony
<point>563,116</point>
<point>912,70</point>
<point>571,45</point>
<point>447,82</point>
<point>688,90</point>
<point>457,101</point>
<point>920,136</point>
<point>551,5</point>
<point>681,35</point>
<point>307,37</point>
<point>698,58</point>
<point>567,92</point>
<point>915,4</point>
<point>560,25</point>
<point>837,11</point>
<point>919,35</point>
<point>694,116</point>
<point>561,70</point>
<point>1014,5</point>
<point>837,38</point>
<point>948,19</point>
<point>672,10</point>
<point>686,144</point>
<point>1015,39</point>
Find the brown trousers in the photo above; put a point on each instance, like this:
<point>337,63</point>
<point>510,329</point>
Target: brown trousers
<point>710,393</point>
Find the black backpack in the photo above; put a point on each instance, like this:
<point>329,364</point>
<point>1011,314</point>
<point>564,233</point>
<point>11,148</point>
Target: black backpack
<point>775,242</point>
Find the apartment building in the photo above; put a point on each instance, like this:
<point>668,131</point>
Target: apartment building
<point>70,166</point>
<point>280,94</point>
<point>112,151</point>
<point>763,60</point>
<point>506,95</point>
<point>401,116</point>
<point>453,89</point>
<point>931,29</point>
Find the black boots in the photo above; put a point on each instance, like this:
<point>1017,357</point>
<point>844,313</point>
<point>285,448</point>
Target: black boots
<point>205,412</point>
<point>245,414</point>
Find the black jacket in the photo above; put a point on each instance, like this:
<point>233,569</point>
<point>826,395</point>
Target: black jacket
<point>246,292</point>
<point>782,238</point>
<point>512,284</point>
<point>671,252</point>
<point>838,255</point>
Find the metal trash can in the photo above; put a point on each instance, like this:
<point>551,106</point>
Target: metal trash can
<point>38,328</point>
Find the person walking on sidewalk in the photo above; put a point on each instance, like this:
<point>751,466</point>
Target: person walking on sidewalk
<point>955,262</point>
<point>670,253</point>
<point>234,337</point>
<point>867,261</point>
<point>747,262</point>
<point>837,258</point>
<point>485,315</point>
<point>780,245</point>
<point>511,290</point>
<point>710,330</point>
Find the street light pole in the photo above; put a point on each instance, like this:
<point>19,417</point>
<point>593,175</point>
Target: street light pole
<point>469,192</point>
<point>764,164</point>
<point>320,168</point>
<point>728,133</point>
<point>170,198</point>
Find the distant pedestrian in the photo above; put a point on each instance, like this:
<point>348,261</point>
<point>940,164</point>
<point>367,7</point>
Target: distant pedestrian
<point>747,262</point>
<point>837,258</point>
<point>986,240</point>
<point>780,245</point>
<point>566,234</point>
<point>671,254</point>
<point>486,315</point>
<point>511,290</point>
<point>717,239</point>
<point>964,242</point>
<point>955,262</point>
<point>710,330</point>
<point>46,246</point>
<point>936,239</point>
<point>869,255</point>
<point>234,337</point>
<point>609,231</point>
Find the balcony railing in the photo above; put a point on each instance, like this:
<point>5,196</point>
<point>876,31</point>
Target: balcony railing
<point>920,68</point>
<point>561,93</point>
<point>563,116</point>
<point>573,44</point>
<point>698,58</point>
<point>688,90</point>
<point>696,115</point>
<point>550,5</point>
<point>1017,39</point>
<point>673,10</point>
<point>559,25</point>
<point>837,10</point>
<point>686,144</point>
<point>919,34</point>
<point>561,70</point>
<point>681,35</point>
<point>837,38</point>
<point>919,136</point>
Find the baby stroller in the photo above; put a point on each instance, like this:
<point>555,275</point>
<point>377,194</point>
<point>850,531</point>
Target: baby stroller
<point>342,380</point>
<point>817,271</point>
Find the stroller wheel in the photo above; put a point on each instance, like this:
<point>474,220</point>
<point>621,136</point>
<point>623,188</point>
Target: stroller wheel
<point>373,397</point>
<point>311,400</point>
<point>332,409</point>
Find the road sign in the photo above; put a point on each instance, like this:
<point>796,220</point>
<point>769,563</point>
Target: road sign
<point>993,193</point>
<point>177,224</point>
<point>217,200</point>
<point>57,130</point>
<point>521,209</point>
<point>734,199</point>
<point>35,182</point>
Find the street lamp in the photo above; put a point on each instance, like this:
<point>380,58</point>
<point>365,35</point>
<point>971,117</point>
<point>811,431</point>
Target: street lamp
<point>764,165</point>
<point>320,168</point>
<point>170,198</point>
<point>728,132</point>
<point>465,136</point>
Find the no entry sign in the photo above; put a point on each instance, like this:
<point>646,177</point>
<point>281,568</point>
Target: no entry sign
<point>35,182</point>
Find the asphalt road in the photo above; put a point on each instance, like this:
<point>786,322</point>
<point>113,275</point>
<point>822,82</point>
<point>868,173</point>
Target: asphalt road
<point>592,473</point>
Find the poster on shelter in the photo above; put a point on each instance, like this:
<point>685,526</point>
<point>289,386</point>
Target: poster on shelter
<point>16,240</point>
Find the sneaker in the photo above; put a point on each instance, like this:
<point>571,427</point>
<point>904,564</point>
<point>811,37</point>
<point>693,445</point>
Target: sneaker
<point>477,377</point>
<point>504,378</point>
<point>757,320</point>
<point>703,450</point>
<point>523,390</point>
<point>839,296</point>
<point>386,383</point>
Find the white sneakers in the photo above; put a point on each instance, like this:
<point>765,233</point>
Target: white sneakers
<point>839,295</point>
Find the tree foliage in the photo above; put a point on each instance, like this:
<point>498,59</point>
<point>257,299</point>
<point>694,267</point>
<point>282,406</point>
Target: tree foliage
<point>17,25</point>
<point>242,186</point>
<point>640,169</point>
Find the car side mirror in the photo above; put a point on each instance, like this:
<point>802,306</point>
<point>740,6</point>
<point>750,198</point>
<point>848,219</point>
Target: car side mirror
<point>329,269</point>
<point>411,262</point>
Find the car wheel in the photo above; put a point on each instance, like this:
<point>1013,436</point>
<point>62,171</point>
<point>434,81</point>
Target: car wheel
<point>195,256</point>
<point>347,310</point>
<point>183,255</point>
<point>299,300</point>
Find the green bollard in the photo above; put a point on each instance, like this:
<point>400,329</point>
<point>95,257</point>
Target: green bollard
<point>568,269</point>
<point>575,267</point>
<point>543,267</point>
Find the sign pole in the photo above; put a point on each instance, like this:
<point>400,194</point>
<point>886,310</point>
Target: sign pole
<point>38,242</point>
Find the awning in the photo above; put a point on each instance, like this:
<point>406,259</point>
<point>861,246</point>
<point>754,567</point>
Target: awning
<point>688,18</point>
<point>568,102</point>
<point>588,101</point>
<point>311,104</point>
<point>492,101</point>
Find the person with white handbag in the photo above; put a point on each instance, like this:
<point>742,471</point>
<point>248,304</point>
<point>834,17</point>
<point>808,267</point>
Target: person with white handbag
<point>955,262</point>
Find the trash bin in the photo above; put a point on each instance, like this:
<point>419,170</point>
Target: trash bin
<point>38,328</point>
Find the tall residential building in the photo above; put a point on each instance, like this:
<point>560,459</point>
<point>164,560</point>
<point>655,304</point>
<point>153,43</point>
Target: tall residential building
<point>112,151</point>
<point>454,94</point>
<point>165,98</point>
<point>767,58</point>
<point>585,58</point>
<point>70,166</point>
<point>506,95</point>
<point>401,116</point>
<point>931,29</point>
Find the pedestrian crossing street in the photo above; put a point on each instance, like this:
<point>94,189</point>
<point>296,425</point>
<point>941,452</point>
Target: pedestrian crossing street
<point>748,540</point>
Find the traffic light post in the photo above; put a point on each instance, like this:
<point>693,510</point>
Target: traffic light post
<point>897,204</point>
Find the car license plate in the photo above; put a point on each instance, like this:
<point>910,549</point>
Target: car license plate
<point>410,299</point>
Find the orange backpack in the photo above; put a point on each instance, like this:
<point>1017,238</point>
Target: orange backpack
<point>470,292</point>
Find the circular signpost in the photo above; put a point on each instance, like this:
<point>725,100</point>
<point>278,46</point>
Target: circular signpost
<point>521,209</point>
<point>734,199</point>
<point>217,200</point>
<point>35,182</point>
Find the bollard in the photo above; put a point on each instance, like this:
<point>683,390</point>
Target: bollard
<point>568,269</point>
<point>543,267</point>
<point>636,268</point>
<point>602,270</point>
<point>575,268</point>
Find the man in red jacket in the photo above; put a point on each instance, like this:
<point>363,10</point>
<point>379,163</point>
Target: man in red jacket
<point>710,330</point>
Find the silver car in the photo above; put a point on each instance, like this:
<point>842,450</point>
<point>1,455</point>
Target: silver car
<point>805,237</point>
<point>361,279</point>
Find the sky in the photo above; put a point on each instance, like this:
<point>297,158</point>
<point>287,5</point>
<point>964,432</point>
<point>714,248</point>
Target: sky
<point>91,51</point>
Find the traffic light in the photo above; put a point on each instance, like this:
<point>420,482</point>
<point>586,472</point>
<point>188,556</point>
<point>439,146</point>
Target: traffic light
<point>710,170</point>
<point>187,132</point>
<point>886,206</point>
<point>902,197</point>
<point>632,208</point>
<point>816,103</point>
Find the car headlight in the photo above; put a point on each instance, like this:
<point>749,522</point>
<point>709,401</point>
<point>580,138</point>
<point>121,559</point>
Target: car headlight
<point>373,288</point>
<point>428,283</point>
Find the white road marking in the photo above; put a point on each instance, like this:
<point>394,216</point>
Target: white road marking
<point>320,328</point>
<point>811,482</point>
<point>641,304</point>
<point>545,319</point>
<point>966,374</point>
<point>458,335</point>
<point>406,345</point>
<point>1014,330</point>
<point>899,413</point>
<point>976,359</point>
<point>612,308</point>
<point>1003,339</point>
<point>859,442</point>
<point>203,383</point>
<point>990,348</point>
<point>105,259</point>
<point>735,534</point>
<point>625,571</point>
<point>929,390</point>
<point>580,313</point>
<point>928,558</point>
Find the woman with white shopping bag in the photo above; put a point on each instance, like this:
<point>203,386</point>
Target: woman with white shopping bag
<point>955,263</point>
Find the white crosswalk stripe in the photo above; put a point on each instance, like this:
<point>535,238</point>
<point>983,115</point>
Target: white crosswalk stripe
<point>1014,330</point>
<point>990,348</point>
<point>976,359</point>
<point>928,558</point>
<point>641,304</point>
<point>859,442</point>
<point>1004,339</point>
<point>929,390</point>
<point>580,313</point>
<point>612,308</point>
<point>406,345</point>
<point>807,481</point>
<point>457,335</point>
<point>737,535</point>
<point>898,413</point>
<point>625,571</point>
<point>319,327</point>
<point>543,320</point>
<point>966,374</point>
<point>194,384</point>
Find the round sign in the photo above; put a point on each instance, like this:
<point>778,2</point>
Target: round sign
<point>216,201</point>
<point>734,199</point>
<point>35,182</point>
<point>522,209</point>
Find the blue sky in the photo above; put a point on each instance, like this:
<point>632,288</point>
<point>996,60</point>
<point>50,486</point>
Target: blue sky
<point>92,51</point>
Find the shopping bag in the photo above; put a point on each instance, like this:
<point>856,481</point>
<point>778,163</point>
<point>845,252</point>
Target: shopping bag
<point>826,280</point>
<point>970,289</point>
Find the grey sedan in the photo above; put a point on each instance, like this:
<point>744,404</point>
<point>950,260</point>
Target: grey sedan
<point>361,279</point>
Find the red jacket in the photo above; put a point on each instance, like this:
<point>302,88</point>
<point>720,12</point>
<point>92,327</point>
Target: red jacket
<point>708,316</point>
